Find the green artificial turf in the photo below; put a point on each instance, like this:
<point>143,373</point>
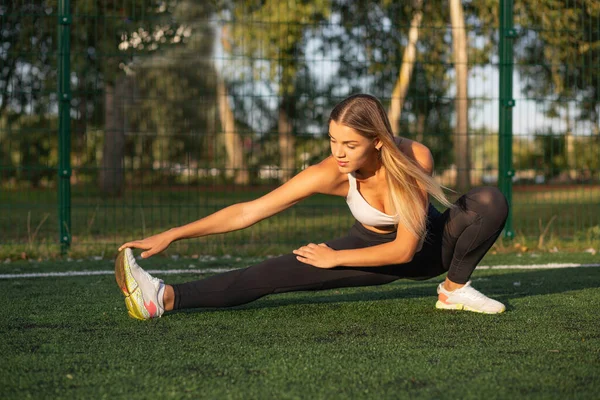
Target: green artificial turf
<point>71,338</point>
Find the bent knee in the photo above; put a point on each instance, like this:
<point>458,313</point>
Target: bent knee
<point>491,202</point>
<point>488,196</point>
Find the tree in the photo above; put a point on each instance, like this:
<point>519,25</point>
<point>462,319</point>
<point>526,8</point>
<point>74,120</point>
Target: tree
<point>28,47</point>
<point>27,44</point>
<point>372,46</point>
<point>127,40</point>
<point>461,68</point>
<point>272,32</point>
<point>558,61</point>
<point>236,163</point>
<point>172,109</point>
<point>556,55</point>
<point>408,62</point>
<point>27,83</point>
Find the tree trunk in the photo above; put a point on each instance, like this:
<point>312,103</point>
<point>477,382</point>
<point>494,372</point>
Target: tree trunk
<point>111,174</point>
<point>461,137</point>
<point>235,165</point>
<point>286,139</point>
<point>408,63</point>
<point>569,148</point>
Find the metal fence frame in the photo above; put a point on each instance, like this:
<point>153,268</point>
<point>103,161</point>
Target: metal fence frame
<point>507,34</point>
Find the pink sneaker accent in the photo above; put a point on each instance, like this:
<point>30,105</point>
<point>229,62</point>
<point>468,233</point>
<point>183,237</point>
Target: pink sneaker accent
<point>143,292</point>
<point>151,307</point>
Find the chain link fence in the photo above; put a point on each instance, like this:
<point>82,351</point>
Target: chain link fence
<point>120,119</point>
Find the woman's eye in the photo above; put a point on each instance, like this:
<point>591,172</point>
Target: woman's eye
<point>350,147</point>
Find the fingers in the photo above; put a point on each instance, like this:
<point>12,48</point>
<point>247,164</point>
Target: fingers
<point>303,260</point>
<point>307,247</point>
<point>127,245</point>
<point>301,251</point>
<point>304,251</point>
<point>136,244</point>
<point>302,254</point>
<point>308,261</point>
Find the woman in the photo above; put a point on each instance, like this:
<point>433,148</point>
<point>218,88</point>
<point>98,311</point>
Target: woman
<point>398,234</point>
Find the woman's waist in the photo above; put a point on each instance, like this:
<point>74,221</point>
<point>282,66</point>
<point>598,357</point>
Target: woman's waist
<point>387,233</point>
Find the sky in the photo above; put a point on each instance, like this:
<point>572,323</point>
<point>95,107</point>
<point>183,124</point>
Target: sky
<point>483,88</point>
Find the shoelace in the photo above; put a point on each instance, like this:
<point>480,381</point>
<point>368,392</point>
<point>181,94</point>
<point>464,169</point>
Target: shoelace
<point>155,281</point>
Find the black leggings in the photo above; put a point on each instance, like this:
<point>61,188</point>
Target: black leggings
<point>456,241</point>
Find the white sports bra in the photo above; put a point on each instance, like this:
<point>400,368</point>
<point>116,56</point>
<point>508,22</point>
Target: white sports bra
<point>363,211</point>
<point>367,214</point>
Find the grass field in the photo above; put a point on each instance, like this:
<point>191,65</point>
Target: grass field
<point>29,221</point>
<point>71,337</point>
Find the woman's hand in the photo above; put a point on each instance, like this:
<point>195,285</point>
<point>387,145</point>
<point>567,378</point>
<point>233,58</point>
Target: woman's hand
<point>320,256</point>
<point>153,244</point>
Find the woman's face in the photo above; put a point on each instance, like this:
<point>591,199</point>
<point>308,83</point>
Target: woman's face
<point>351,149</point>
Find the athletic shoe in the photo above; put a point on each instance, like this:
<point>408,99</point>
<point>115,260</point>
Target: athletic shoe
<point>467,298</point>
<point>143,293</point>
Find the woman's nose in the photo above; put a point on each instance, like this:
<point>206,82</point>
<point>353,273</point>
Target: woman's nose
<point>338,151</point>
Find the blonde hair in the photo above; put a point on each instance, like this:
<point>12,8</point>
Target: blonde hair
<point>404,176</point>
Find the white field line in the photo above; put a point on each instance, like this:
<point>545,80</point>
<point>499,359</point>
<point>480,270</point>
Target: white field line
<point>112,272</point>
<point>218,270</point>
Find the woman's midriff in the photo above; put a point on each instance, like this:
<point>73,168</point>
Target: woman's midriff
<point>386,229</point>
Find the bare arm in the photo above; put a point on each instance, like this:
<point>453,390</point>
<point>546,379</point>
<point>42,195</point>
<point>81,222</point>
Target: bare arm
<point>242,215</point>
<point>400,251</point>
<point>228,219</point>
<point>320,178</point>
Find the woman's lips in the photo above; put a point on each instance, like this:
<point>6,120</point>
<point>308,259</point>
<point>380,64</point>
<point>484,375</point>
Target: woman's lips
<point>342,163</point>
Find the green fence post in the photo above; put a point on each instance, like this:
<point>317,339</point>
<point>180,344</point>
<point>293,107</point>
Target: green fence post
<point>507,102</point>
<point>64,124</point>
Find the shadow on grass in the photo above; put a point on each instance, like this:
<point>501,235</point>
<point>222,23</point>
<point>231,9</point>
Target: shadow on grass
<point>496,284</point>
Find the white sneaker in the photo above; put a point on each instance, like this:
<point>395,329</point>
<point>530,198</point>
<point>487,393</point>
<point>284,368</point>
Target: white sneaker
<point>467,298</point>
<point>143,293</point>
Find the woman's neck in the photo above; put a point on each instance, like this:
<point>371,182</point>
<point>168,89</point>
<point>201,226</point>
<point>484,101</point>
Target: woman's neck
<point>367,173</point>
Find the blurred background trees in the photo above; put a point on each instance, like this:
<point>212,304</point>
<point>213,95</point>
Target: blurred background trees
<point>174,92</point>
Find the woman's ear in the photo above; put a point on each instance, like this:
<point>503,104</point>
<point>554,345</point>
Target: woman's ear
<point>378,144</point>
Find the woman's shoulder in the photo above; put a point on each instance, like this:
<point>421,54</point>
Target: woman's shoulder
<point>416,151</point>
<point>329,168</point>
<point>330,176</point>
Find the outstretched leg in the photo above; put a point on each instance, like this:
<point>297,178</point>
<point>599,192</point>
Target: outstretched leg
<point>276,275</point>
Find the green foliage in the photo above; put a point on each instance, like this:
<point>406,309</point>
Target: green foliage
<point>591,234</point>
<point>558,53</point>
<point>28,148</point>
<point>174,104</point>
<point>275,30</point>
<point>587,159</point>
<point>163,46</point>
<point>551,153</point>
<point>27,56</point>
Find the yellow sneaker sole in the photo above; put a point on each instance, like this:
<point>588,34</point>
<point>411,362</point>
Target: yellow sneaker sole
<point>129,287</point>
<point>444,306</point>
